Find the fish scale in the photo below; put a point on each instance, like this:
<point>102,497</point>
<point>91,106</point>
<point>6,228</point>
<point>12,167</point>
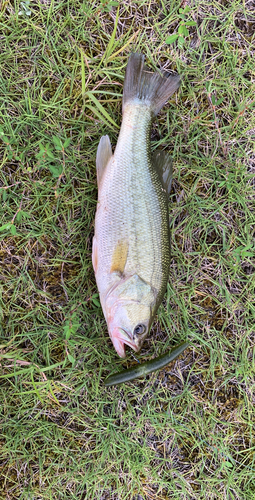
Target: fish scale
<point>131,246</point>
<point>135,212</point>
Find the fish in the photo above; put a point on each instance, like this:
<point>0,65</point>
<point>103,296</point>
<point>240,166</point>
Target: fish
<point>131,244</point>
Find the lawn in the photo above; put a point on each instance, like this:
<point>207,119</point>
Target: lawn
<point>186,432</point>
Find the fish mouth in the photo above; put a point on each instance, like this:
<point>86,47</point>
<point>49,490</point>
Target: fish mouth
<point>119,338</point>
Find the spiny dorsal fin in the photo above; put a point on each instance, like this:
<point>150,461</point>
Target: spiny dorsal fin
<point>163,163</point>
<point>104,153</point>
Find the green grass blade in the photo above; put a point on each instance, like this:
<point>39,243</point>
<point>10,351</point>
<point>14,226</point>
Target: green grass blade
<point>100,111</point>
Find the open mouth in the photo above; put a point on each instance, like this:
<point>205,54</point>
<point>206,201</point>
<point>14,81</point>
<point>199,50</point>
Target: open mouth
<point>120,338</point>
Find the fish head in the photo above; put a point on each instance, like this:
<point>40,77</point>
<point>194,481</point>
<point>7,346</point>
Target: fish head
<point>129,324</point>
<point>129,313</point>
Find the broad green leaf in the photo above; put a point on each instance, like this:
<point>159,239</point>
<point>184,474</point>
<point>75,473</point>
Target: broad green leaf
<point>5,139</point>
<point>40,154</point>
<point>67,331</point>
<point>5,226</point>
<point>56,171</point>
<point>172,38</point>
<point>71,358</point>
<point>57,141</point>
<point>13,230</point>
<point>19,216</point>
<point>71,326</point>
<point>96,302</point>
<point>67,142</point>
<point>219,101</point>
<point>26,215</point>
<point>248,254</point>
<point>247,247</point>
<point>50,154</point>
<point>208,86</point>
<point>190,23</point>
<point>185,31</point>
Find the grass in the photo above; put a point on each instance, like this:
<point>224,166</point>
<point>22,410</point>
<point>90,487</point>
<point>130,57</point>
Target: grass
<point>186,432</point>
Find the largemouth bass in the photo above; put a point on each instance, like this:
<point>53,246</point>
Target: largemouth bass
<point>131,246</point>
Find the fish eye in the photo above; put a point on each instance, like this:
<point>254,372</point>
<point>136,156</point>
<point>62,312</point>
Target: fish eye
<point>139,329</point>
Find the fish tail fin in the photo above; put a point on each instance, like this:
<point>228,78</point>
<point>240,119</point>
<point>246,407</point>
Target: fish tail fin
<point>150,88</point>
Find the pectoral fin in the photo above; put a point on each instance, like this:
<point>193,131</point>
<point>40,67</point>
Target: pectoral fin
<point>104,153</point>
<point>162,162</point>
<point>119,257</point>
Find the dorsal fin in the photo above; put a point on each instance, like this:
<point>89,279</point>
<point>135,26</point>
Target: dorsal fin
<point>104,153</point>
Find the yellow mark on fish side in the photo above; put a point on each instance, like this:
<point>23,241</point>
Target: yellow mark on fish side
<point>119,257</point>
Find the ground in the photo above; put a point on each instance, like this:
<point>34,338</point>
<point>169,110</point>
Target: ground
<point>186,432</point>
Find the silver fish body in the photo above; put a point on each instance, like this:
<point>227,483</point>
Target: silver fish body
<point>131,246</point>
